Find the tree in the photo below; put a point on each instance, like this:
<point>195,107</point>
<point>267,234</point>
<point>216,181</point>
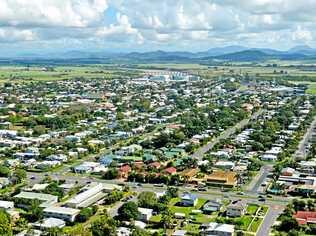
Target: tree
<point>147,199</point>
<point>4,171</point>
<point>104,226</point>
<point>166,219</point>
<point>288,223</point>
<point>112,173</point>
<point>19,175</point>
<point>140,232</point>
<point>128,211</point>
<point>36,211</point>
<point>85,214</point>
<point>54,189</point>
<point>54,231</point>
<point>5,224</point>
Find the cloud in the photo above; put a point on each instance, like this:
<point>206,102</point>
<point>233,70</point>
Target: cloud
<point>48,13</point>
<point>9,35</point>
<point>175,24</point>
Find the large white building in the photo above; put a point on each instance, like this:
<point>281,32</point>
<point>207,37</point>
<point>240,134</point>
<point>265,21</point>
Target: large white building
<point>91,194</point>
<point>63,213</point>
<point>46,199</point>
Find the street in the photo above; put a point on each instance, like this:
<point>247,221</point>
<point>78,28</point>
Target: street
<point>199,153</point>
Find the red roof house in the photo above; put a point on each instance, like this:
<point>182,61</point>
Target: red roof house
<point>124,170</point>
<point>171,170</point>
<point>155,165</point>
<point>305,217</point>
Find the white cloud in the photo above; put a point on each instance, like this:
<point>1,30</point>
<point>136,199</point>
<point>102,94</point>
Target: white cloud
<point>13,35</point>
<point>302,35</point>
<point>47,13</point>
<point>120,30</point>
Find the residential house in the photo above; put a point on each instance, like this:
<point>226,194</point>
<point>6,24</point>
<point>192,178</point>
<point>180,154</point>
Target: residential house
<point>145,214</point>
<point>188,199</point>
<point>236,209</point>
<point>212,229</point>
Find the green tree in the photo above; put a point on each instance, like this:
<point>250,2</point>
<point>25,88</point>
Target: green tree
<point>84,214</point>
<point>128,211</point>
<point>36,212</point>
<point>112,173</point>
<point>19,175</point>
<point>147,199</point>
<point>140,232</point>
<point>54,189</point>
<point>4,171</point>
<point>5,224</point>
<point>104,226</point>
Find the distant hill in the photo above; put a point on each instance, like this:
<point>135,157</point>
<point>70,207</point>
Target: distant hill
<point>230,53</point>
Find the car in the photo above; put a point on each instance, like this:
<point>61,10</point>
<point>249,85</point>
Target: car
<point>269,196</point>
<point>240,193</point>
<point>139,184</point>
<point>202,189</point>
<point>262,199</point>
<point>33,177</point>
<point>159,185</point>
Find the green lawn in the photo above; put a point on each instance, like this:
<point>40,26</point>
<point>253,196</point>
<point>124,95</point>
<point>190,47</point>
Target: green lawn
<point>245,222</point>
<point>155,219</point>
<point>192,228</point>
<point>252,209</point>
<point>185,210</point>
<point>255,224</point>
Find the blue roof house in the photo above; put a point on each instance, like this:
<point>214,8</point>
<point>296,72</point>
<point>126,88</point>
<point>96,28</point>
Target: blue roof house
<point>188,199</point>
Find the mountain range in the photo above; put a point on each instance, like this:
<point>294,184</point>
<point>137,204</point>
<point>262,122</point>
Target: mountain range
<point>229,53</point>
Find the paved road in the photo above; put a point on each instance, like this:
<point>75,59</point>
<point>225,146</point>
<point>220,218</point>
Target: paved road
<point>301,150</point>
<point>224,135</point>
<point>260,178</point>
<point>269,220</point>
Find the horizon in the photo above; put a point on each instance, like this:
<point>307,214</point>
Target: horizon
<point>142,26</point>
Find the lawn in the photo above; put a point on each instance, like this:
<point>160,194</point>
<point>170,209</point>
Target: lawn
<point>245,222</point>
<point>255,224</point>
<point>192,228</point>
<point>252,209</point>
<point>185,210</point>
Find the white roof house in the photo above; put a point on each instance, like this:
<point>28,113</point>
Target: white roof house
<point>64,213</point>
<point>47,199</point>
<point>6,204</point>
<point>87,198</point>
<point>217,229</point>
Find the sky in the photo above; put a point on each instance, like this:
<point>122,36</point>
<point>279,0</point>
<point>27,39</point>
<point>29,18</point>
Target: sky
<point>143,25</point>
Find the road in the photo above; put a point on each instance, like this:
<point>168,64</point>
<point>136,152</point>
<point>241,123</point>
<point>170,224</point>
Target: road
<point>259,178</point>
<point>301,150</point>
<point>269,220</point>
<point>224,135</point>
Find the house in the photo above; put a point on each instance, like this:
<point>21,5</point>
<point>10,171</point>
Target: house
<point>211,229</point>
<point>63,213</point>
<point>212,206</point>
<point>305,217</point>
<point>48,223</point>
<point>155,165</point>
<point>145,214</point>
<point>86,167</point>
<point>179,233</point>
<point>90,195</point>
<point>188,199</point>
<point>170,170</point>
<point>124,171</point>
<point>236,209</point>
<point>222,178</point>
<point>6,205</point>
<point>45,199</point>
<point>123,231</point>
<point>226,165</point>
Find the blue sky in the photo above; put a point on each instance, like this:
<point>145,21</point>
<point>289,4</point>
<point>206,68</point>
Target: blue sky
<point>48,26</point>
